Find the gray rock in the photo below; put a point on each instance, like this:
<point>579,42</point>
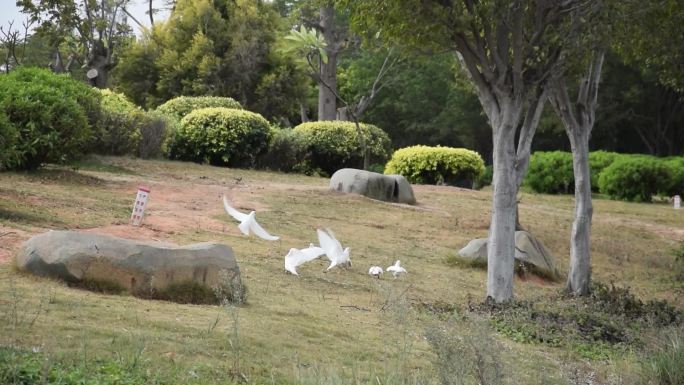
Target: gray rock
<point>141,268</point>
<point>527,249</point>
<point>388,188</point>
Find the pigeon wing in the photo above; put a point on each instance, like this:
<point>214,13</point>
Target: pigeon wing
<point>313,252</point>
<point>297,257</point>
<point>260,232</point>
<point>328,243</point>
<point>232,212</point>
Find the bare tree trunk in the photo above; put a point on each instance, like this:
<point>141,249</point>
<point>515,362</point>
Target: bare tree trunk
<point>303,113</point>
<point>578,119</point>
<point>579,276</point>
<point>501,243</point>
<point>327,101</point>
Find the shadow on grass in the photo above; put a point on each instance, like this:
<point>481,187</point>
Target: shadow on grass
<point>27,216</point>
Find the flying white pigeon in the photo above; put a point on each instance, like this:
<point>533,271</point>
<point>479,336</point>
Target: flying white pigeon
<point>248,222</point>
<point>375,271</point>
<point>297,257</point>
<point>333,249</point>
<point>396,269</point>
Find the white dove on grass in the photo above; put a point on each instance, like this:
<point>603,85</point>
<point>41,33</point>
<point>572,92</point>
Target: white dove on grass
<point>298,257</point>
<point>333,249</point>
<point>396,269</point>
<point>248,222</point>
<point>375,271</point>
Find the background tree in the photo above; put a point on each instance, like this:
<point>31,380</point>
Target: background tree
<point>100,28</point>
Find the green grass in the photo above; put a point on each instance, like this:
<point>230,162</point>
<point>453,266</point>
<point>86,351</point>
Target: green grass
<point>334,327</point>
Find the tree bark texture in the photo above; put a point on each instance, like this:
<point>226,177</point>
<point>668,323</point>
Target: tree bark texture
<point>501,243</point>
<point>327,101</point>
<point>578,119</point>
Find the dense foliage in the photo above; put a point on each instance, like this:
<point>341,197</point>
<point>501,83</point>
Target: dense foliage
<point>8,138</point>
<point>221,136</point>
<point>550,173</point>
<point>156,129</point>
<point>179,107</point>
<point>635,178</point>
<point>437,165</point>
<point>119,125</point>
<point>598,161</point>
<point>333,145</point>
<point>216,48</point>
<point>53,115</point>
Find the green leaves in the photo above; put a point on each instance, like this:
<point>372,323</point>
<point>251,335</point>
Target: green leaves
<point>437,165</point>
<point>306,42</point>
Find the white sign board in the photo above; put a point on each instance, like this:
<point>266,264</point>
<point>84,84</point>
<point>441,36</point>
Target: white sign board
<point>139,206</point>
<point>677,202</point>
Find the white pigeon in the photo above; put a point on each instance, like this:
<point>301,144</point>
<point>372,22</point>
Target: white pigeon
<point>396,269</point>
<point>248,222</point>
<point>375,271</point>
<point>333,249</point>
<point>297,257</point>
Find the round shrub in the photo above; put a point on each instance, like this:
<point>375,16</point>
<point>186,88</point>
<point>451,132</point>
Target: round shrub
<point>333,145</point>
<point>598,161</point>
<point>50,113</point>
<point>550,173</point>
<point>634,178</point>
<point>437,165</point>
<point>221,136</point>
<point>119,125</point>
<point>181,106</point>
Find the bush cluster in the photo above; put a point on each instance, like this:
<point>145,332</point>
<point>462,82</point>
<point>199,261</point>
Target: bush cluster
<point>181,106</point>
<point>54,116</point>
<point>437,165</point>
<point>635,178</point>
<point>333,145</point>
<point>8,138</point>
<point>550,173</point>
<point>221,136</point>
<point>631,177</point>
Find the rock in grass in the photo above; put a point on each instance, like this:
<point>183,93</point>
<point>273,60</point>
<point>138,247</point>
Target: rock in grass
<point>188,274</point>
<point>388,188</point>
<point>527,250</point>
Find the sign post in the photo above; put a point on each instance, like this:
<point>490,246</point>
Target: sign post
<point>677,202</point>
<point>139,206</point>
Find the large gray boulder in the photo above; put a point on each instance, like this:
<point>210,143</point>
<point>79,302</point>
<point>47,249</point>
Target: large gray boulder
<point>142,268</point>
<point>388,188</point>
<point>527,249</point>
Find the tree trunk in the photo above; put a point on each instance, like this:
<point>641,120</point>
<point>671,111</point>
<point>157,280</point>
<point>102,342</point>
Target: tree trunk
<point>501,243</point>
<point>327,101</point>
<point>580,266</point>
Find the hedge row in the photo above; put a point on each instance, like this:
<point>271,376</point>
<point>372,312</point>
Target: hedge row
<point>181,106</point>
<point>632,177</point>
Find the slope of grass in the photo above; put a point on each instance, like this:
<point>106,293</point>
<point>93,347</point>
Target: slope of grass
<point>332,327</point>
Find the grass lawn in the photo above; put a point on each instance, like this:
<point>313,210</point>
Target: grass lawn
<point>342,326</point>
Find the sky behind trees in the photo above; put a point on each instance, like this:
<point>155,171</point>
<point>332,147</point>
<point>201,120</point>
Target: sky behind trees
<point>9,11</point>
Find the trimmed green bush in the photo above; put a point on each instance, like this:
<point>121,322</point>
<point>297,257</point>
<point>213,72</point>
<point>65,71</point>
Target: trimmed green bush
<point>8,138</point>
<point>181,106</point>
<point>333,145</point>
<point>550,173</point>
<point>221,137</point>
<point>119,125</point>
<point>598,161</point>
<point>635,178</point>
<point>51,113</point>
<point>675,168</point>
<point>286,152</point>
<point>437,165</point>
